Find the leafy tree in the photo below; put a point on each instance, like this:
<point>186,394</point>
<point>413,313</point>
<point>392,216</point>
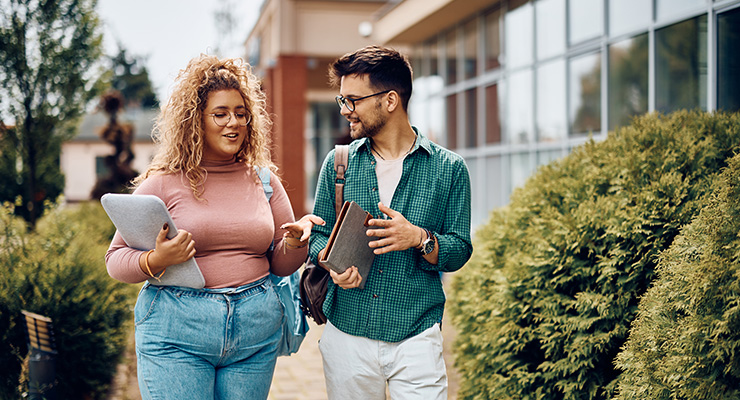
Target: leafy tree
<point>131,79</point>
<point>48,52</point>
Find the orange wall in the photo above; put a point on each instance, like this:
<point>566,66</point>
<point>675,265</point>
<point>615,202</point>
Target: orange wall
<point>285,85</point>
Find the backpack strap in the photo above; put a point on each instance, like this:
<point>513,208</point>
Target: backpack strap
<point>341,161</point>
<point>264,174</point>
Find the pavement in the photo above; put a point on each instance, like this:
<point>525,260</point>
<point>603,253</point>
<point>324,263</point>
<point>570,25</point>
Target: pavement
<point>297,377</point>
<point>301,376</point>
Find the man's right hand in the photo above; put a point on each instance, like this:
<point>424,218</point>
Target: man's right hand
<point>348,279</point>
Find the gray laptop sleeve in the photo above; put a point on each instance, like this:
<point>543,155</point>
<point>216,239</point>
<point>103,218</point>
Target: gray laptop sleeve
<point>138,218</point>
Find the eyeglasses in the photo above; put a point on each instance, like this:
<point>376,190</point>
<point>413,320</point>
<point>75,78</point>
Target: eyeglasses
<point>350,102</point>
<point>222,118</point>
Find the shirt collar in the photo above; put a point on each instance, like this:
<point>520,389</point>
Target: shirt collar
<point>421,141</point>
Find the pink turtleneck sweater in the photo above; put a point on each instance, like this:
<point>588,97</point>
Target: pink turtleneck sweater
<point>232,226</point>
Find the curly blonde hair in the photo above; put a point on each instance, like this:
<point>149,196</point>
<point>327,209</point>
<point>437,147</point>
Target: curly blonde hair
<point>179,130</point>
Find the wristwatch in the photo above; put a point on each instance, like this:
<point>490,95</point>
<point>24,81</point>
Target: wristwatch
<point>427,246</point>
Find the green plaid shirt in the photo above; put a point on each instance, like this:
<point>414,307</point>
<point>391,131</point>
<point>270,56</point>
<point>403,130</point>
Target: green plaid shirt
<point>403,294</point>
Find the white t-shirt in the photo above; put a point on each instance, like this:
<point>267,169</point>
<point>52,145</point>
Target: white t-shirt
<point>388,173</point>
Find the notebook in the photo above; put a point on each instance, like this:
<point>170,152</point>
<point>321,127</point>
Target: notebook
<point>348,242</point>
<point>139,218</point>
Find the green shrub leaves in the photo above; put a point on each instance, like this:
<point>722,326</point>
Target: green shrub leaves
<point>553,286</point>
<point>58,271</point>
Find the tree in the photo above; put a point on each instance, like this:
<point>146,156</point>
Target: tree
<point>131,79</point>
<point>49,58</point>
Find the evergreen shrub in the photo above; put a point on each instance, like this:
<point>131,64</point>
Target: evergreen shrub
<point>554,283</point>
<point>58,270</point>
<point>685,342</point>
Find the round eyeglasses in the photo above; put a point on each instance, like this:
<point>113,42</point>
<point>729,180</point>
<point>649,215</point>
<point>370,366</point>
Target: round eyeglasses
<point>222,118</point>
<point>350,102</point>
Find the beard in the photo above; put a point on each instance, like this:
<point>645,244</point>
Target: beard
<point>368,127</point>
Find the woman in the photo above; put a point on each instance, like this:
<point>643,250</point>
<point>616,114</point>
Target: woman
<point>220,341</point>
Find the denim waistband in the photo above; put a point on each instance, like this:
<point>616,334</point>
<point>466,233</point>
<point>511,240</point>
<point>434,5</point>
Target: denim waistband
<point>259,283</point>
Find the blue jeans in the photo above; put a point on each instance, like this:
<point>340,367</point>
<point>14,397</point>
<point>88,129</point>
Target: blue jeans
<point>207,343</point>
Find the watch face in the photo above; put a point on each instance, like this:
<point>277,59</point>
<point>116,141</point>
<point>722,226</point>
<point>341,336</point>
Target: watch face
<point>428,246</point>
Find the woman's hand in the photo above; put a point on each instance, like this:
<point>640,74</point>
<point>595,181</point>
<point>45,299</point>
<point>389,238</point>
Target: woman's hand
<point>300,230</point>
<point>170,251</point>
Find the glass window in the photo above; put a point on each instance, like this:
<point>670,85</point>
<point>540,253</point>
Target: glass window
<point>519,36</point>
<point>470,32</point>
<point>628,80</point>
<point>551,109</point>
<point>493,39</point>
<point>433,58</point>
<point>586,19</point>
<point>550,17</point>
<point>452,121</point>
<point>520,108</point>
<point>629,15</point>
<point>437,117</point>
<point>417,62</point>
<point>545,157</point>
<point>728,61</point>
<point>584,104</point>
<point>102,169</point>
<point>521,168</point>
<point>493,119</point>
<point>669,8</point>
<point>495,187</point>
<point>451,56</point>
<point>681,66</point>
<point>471,118</point>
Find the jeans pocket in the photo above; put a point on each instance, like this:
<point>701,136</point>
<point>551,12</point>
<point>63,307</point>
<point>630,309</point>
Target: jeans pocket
<point>145,304</point>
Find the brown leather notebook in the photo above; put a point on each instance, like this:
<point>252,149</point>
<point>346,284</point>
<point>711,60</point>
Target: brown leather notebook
<point>348,242</point>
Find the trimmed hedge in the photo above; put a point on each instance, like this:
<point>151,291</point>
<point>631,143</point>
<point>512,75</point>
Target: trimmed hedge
<point>549,295</point>
<point>685,343</point>
<point>58,271</point>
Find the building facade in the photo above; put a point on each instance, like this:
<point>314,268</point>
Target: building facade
<point>290,47</point>
<point>83,158</point>
<point>508,84</point>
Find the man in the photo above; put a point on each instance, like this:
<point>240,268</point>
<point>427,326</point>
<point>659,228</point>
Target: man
<point>389,332</point>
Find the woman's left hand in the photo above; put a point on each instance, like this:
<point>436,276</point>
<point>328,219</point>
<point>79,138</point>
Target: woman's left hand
<point>301,229</point>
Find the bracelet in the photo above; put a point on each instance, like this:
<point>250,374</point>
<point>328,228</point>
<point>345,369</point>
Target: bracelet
<point>302,244</point>
<point>149,269</point>
<point>290,246</point>
<point>421,238</point>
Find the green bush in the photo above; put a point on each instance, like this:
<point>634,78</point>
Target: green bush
<point>58,271</point>
<point>547,300</point>
<point>685,343</point>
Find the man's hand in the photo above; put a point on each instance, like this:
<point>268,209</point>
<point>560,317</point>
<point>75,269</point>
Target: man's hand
<point>395,234</point>
<point>348,279</point>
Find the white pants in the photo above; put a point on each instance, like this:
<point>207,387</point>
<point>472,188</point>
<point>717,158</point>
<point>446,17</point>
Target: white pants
<point>359,368</point>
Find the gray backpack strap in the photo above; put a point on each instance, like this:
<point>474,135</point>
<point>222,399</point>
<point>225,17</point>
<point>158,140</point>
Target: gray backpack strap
<point>264,174</point>
<point>341,161</point>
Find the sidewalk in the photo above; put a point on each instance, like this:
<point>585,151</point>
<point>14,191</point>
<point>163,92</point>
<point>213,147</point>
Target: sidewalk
<point>301,376</point>
<point>298,377</point>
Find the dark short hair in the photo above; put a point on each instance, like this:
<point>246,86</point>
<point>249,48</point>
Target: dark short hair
<point>386,68</point>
